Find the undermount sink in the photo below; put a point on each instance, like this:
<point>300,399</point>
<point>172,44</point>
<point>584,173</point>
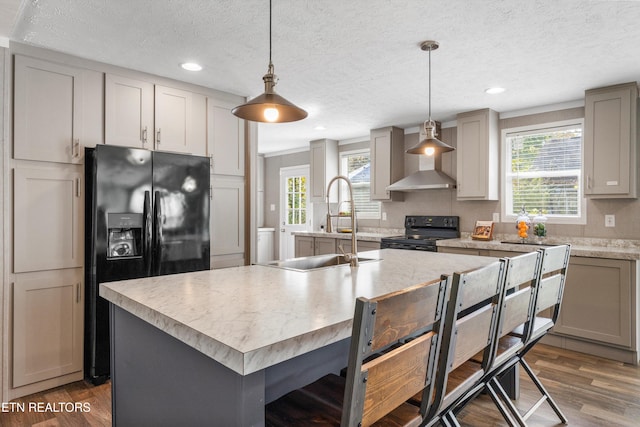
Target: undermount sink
<point>315,262</point>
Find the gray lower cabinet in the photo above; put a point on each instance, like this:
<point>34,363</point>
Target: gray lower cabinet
<point>48,320</point>
<point>462,251</point>
<point>304,246</point>
<point>598,300</point>
<point>324,245</point>
<point>363,245</point>
<point>309,245</point>
<point>227,221</point>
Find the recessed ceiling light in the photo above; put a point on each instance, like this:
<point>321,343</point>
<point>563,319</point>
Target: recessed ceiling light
<point>320,127</point>
<point>191,66</point>
<point>495,90</point>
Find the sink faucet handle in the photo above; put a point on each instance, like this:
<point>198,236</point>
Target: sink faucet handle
<point>341,249</point>
<point>351,258</point>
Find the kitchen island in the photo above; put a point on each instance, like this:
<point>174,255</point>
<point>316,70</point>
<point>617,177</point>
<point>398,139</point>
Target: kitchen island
<point>212,347</point>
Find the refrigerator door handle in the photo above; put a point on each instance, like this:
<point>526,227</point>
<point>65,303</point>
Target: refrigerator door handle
<point>157,232</point>
<point>147,230</point>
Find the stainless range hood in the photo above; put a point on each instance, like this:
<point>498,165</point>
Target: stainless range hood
<point>427,178</point>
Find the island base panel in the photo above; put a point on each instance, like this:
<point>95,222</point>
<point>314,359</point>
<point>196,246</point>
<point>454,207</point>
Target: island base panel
<point>301,370</point>
<point>158,380</point>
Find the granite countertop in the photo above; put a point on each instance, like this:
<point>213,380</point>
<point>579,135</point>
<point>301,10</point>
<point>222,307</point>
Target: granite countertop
<point>252,317</point>
<point>582,247</point>
<point>360,235</point>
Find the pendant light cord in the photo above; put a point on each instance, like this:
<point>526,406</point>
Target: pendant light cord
<point>270,19</point>
<point>429,84</point>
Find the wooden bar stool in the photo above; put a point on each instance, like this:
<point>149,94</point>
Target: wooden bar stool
<point>470,325</point>
<point>521,280</point>
<point>547,300</point>
<point>376,389</point>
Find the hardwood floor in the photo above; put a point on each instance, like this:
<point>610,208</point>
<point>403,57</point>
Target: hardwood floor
<point>590,391</point>
<point>94,404</point>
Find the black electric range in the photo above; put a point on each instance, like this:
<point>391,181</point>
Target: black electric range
<point>422,232</point>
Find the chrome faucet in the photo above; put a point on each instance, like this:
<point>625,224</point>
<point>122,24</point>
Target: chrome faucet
<point>353,256</point>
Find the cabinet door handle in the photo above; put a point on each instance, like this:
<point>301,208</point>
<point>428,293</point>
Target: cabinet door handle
<point>589,182</point>
<point>78,293</point>
<point>158,136</point>
<point>144,135</point>
<point>78,189</point>
<point>211,162</point>
<point>75,148</point>
<point>210,192</point>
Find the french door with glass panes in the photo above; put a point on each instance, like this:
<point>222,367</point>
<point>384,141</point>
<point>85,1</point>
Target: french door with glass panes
<point>295,212</point>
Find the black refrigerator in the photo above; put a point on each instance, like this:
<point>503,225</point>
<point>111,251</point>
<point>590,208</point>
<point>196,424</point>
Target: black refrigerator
<point>147,214</point>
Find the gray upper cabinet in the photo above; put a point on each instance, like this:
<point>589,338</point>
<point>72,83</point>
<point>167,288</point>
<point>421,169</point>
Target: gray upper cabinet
<point>477,155</point>
<point>323,157</point>
<point>180,119</point>
<point>225,143</point>
<point>128,112</point>
<point>47,111</point>
<point>610,141</point>
<point>133,107</point>
<point>387,162</point>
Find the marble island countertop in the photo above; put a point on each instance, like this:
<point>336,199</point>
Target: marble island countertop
<point>582,247</point>
<point>249,318</point>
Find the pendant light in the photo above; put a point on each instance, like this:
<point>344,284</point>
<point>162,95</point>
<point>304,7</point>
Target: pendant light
<point>430,145</point>
<point>269,107</point>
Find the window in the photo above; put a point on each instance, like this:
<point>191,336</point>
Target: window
<point>356,165</point>
<point>296,199</point>
<point>543,172</point>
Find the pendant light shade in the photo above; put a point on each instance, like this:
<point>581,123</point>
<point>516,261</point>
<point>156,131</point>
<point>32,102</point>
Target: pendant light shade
<point>269,107</point>
<point>430,145</point>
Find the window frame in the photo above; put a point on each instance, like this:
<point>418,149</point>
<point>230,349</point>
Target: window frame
<point>343,196</point>
<point>505,157</point>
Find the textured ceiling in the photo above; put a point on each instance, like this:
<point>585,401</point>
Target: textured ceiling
<point>356,64</point>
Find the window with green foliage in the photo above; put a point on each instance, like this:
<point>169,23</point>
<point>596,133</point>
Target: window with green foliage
<point>356,165</point>
<point>296,200</point>
<point>543,172</point>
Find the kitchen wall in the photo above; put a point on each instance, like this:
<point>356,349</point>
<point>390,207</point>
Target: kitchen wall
<point>444,202</point>
<point>272,166</point>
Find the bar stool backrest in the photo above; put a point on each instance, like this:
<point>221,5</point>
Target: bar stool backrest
<point>555,263</point>
<point>403,329</point>
<point>521,282</point>
<point>470,324</point>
